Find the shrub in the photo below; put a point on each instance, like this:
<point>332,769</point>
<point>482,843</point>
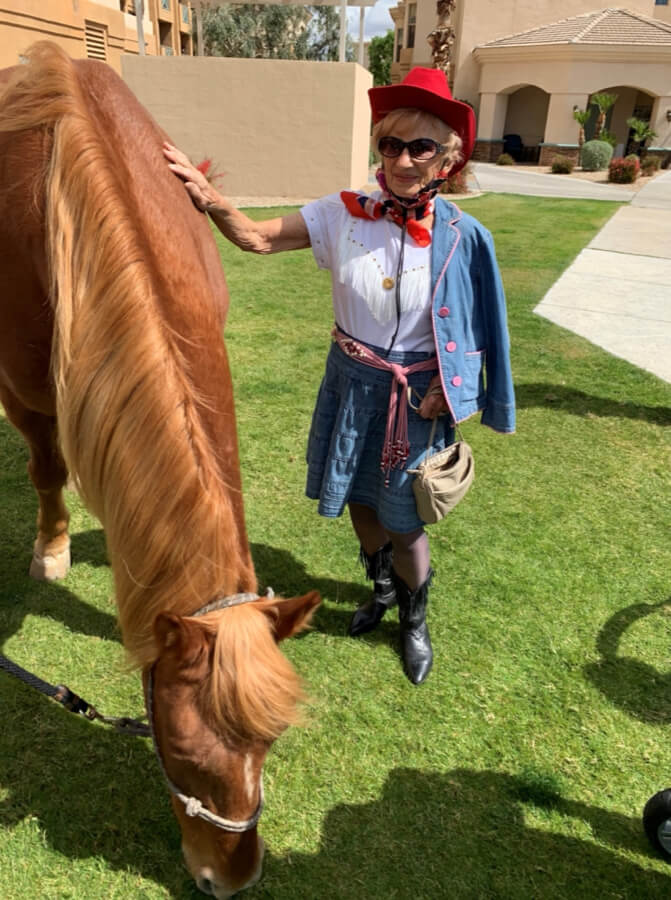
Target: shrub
<point>505,160</point>
<point>608,137</point>
<point>562,165</point>
<point>631,156</point>
<point>650,165</point>
<point>596,155</point>
<point>623,171</point>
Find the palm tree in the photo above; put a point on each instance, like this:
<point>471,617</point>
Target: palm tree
<point>603,102</point>
<point>642,133</point>
<point>581,116</point>
<point>442,38</point>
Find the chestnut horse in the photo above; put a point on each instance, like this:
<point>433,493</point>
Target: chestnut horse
<point>112,366</point>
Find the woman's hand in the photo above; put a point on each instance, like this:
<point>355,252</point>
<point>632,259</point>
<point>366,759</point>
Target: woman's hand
<point>433,403</point>
<point>267,236</point>
<point>200,190</point>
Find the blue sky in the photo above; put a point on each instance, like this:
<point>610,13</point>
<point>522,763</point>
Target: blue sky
<point>378,20</point>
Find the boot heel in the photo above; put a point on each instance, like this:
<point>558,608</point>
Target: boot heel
<point>416,649</point>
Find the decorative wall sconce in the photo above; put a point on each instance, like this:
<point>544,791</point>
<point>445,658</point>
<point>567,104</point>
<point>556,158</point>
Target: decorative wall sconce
<point>668,115</point>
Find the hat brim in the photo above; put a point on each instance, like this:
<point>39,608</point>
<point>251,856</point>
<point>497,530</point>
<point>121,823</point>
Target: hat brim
<point>454,113</point>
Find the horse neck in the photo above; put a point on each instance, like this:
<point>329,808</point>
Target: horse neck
<point>144,393</point>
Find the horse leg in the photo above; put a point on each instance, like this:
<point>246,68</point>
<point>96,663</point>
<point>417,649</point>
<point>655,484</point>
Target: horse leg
<point>48,473</point>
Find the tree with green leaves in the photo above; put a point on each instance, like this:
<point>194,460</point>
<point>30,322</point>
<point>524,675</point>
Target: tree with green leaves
<point>271,31</point>
<point>323,35</point>
<point>642,133</point>
<point>581,116</point>
<point>603,102</point>
<point>380,53</point>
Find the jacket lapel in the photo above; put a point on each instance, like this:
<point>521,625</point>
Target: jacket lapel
<point>446,236</point>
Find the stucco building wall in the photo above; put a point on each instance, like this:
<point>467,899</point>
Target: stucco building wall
<point>278,128</point>
<point>112,29</point>
<point>479,21</point>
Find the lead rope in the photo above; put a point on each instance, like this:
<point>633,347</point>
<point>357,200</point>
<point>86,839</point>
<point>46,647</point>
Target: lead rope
<point>74,703</point>
<point>62,694</point>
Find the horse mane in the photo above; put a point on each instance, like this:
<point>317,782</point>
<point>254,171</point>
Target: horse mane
<point>264,702</point>
<point>123,380</point>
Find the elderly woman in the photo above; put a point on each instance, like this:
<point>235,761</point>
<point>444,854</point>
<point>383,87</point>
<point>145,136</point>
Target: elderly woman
<point>418,304</point>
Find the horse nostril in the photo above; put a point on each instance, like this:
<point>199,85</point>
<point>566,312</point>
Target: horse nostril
<point>206,886</point>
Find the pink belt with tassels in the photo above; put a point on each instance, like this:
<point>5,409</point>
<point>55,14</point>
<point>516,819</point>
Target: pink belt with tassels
<point>396,446</point>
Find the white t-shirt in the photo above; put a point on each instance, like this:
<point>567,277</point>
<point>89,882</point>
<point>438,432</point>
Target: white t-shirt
<point>362,256</point>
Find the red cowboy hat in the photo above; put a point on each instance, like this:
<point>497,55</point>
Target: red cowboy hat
<point>427,89</point>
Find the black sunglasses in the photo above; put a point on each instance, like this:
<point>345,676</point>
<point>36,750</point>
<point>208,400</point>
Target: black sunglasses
<point>421,149</point>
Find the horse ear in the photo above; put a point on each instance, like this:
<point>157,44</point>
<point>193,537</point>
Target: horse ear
<point>167,630</point>
<point>174,633</point>
<point>292,615</point>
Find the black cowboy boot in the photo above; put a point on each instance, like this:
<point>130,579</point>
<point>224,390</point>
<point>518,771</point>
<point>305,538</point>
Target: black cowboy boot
<point>378,569</point>
<point>415,641</point>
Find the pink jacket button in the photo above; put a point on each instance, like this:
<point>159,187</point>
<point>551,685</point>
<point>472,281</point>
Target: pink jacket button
<point>443,311</point>
<point>456,381</point>
<point>450,346</point>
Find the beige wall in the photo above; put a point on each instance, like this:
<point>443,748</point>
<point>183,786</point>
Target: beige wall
<point>23,22</point>
<point>570,74</point>
<point>278,128</point>
<point>567,73</point>
<point>479,21</point>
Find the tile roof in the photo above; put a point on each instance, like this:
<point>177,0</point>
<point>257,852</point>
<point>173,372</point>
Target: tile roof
<point>606,26</point>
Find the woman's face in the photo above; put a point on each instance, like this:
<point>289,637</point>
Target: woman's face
<point>406,176</point>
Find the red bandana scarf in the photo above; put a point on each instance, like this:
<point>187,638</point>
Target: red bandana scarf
<point>402,210</point>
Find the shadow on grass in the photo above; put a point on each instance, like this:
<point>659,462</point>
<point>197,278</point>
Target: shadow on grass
<point>581,404</point>
<point>20,595</point>
<point>631,684</point>
<point>464,834</point>
<point>288,576</point>
<point>91,792</point>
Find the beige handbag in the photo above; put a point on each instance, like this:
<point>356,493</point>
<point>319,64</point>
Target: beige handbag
<point>442,479</point>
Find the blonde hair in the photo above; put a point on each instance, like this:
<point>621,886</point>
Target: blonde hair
<point>423,121</point>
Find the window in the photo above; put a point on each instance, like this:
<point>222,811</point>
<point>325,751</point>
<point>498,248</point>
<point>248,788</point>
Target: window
<point>412,20</point>
<point>661,2</point>
<point>399,43</point>
<point>96,41</point>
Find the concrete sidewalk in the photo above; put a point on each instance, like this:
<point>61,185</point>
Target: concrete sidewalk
<point>617,292</point>
<point>505,180</point>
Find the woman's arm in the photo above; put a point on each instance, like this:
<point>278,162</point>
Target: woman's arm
<point>270,236</point>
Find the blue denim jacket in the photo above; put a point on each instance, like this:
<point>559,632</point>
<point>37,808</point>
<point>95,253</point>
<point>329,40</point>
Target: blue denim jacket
<point>469,320</point>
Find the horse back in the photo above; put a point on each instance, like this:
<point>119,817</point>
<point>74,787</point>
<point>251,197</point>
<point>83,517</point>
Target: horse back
<point>173,238</point>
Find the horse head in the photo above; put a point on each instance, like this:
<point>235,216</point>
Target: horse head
<point>218,695</point>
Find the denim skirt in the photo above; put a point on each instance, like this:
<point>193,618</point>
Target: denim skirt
<point>347,435</point>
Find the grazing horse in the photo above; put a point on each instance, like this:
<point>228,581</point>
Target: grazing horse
<point>112,366</point>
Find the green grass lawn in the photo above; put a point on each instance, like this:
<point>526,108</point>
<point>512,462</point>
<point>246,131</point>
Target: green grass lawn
<point>520,769</point>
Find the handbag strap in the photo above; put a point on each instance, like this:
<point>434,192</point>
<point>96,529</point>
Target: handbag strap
<point>434,422</point>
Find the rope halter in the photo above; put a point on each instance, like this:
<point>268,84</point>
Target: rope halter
<point>193,807</point>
